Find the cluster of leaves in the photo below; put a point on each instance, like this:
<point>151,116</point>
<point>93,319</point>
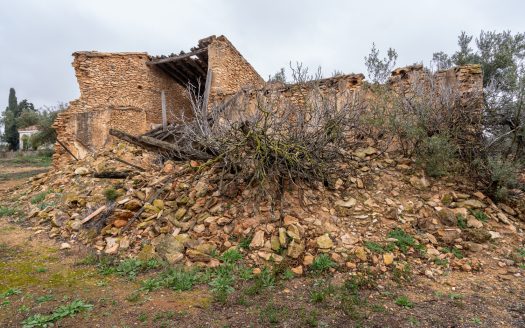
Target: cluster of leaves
<point>38,198</point>
<point>129,268</point>
<point>110,194</point>
<point>484,139</point>
<point>502,58</point>
<point>47,320</point>
<point>18,115</point>
<point>454,251</point>
<point>7,211</point>
<point>322,263</point>
<point>404,241</point>
<point>10,292</point>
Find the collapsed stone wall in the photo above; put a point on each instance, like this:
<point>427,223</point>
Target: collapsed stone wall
<point>120,91</point>
<point>117,90</point>
<point>465,83</point>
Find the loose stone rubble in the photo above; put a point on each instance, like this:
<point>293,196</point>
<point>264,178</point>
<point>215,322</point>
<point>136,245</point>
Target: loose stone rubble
<point>359,223</point>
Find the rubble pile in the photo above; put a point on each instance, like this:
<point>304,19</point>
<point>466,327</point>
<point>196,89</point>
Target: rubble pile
<point>385,215</point>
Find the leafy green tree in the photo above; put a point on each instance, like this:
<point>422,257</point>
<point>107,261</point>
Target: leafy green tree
<point>441,60</point>
<point>380,69</point>
<point>502,59</point>
<point>9,120</point>
<point>28,115</point>
<point>47,134</point>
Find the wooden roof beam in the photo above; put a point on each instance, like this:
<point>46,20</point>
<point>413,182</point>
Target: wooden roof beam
<point>172,74</point>
<point>176,58</point>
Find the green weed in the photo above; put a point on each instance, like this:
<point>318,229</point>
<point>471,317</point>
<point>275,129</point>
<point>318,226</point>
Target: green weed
<point>403,301</point>
<point>38,198</point>
<point>462,222</point>
<point>41,320</point>
<point>480,215</point>
<point>10,291</point>
<point>45,298</point>
<point>322,263</point>
<point>404,240</point>
<point>111,194</point>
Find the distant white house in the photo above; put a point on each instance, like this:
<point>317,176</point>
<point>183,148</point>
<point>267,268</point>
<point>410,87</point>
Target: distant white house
<point>25,136</point>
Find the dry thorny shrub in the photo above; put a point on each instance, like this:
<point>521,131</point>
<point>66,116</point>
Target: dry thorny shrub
<point>268,140</point>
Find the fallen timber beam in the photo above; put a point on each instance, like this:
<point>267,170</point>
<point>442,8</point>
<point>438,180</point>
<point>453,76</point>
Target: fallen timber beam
<point>92,215</point>
<point>131,139</point>
<point>167,149</point>
<point>111,175</point>
<point>128,163</point>
<point>147,143</point>
<point>158,143</point>
<point>68,151</point>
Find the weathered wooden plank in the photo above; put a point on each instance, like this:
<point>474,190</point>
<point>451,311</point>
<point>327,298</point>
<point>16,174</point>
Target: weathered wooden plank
<point>164,110</point>
<point>128,163</point>
<point>207,88</point>
<point>92,215</point>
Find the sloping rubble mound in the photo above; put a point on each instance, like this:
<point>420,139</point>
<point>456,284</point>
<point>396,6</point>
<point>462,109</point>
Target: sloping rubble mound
<point>385,216</point>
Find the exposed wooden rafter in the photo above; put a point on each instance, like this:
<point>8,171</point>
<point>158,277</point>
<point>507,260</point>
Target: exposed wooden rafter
<point>189,68</point>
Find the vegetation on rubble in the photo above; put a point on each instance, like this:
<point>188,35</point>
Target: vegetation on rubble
<point>433,127</point>
<point>111,194</point>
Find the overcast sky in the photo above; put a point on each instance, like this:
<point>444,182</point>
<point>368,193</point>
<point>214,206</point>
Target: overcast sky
<point>37,37</point>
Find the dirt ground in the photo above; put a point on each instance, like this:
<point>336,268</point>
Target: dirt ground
<point>14,171</point>
<point>37,268</point>
<point>37,277</point>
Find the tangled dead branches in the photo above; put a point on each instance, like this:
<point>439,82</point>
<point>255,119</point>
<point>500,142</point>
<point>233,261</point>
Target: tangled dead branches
<point>267,139</point>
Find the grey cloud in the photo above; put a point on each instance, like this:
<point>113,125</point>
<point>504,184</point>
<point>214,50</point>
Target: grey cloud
<point>38,37</point>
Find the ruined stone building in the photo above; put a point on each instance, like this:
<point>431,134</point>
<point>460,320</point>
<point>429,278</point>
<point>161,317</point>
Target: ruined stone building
<point>135,92</point>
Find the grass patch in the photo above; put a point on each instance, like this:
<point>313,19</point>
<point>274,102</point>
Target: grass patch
<point>403,301</point>
<point>7,211</point>
<point>480,215</point>
<point>266,279</point>
<point>377,248</point>
<point>44,298</point>
<point>111,194</point>
<point>129,268</point>
<point>39,198</point>
<point>10,292</point>
<point>322,263</point>
<point>441,262</point>
<point>179,279</point>
<point>35,160</point>
<point>321,291</point>
<point>231,256</point>
<point>461,221</point>
<point>272,314</point>
<point>42,320</point>
<point>405,241</point>
<point>454,251</point>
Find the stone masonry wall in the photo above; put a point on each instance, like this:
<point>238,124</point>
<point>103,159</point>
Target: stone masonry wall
<point>230,71</point>
<point>117,90</point>
<point>120,91</point>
